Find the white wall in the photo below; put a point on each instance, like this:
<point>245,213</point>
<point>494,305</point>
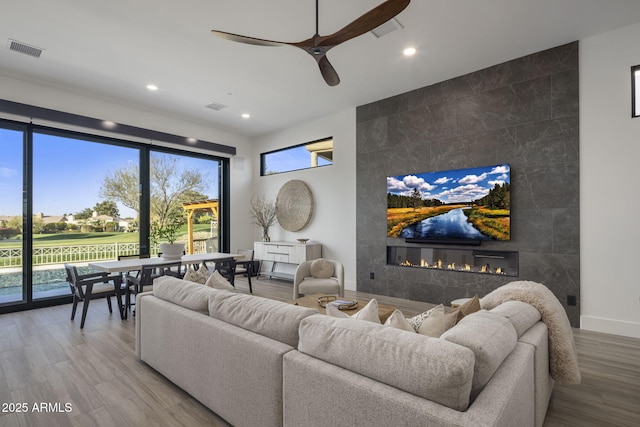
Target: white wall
<point>333,223</point>
<point>31,93</point>
<point>609,193</point>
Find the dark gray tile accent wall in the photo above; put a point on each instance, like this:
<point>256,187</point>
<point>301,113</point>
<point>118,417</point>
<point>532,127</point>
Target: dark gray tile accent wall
<point>523,112</point>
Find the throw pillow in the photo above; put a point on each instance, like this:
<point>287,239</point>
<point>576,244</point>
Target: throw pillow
<point>433,322</point>
<point>368,313</point>
<point>467,308</point>
<point>203,273</point>
<point>321,268</point>
<point>398,321</point>
<point>191,274</point>
<point>199,276</point>
<point>217,281</point>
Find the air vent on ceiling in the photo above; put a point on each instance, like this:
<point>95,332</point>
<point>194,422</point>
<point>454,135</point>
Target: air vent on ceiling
<point>20,47</point>
<point>217,106</point>
<point>386,28</point>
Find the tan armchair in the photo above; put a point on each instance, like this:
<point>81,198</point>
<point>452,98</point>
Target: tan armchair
<point>319,276</point>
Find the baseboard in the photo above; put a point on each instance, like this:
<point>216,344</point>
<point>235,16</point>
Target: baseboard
<point>610,326</point>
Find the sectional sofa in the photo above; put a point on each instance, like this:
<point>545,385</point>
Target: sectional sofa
<point>256,361</point>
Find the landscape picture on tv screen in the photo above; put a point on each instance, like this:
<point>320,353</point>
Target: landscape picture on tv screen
<point>462,204</point>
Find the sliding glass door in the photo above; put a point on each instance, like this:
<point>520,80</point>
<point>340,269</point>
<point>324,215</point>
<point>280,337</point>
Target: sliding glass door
<point>85,206</point>
<point>12,283</point>
<point>67,197</point>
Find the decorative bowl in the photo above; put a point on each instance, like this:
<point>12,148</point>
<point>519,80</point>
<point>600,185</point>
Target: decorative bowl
<point>303,240</point>
<point>339,304</point>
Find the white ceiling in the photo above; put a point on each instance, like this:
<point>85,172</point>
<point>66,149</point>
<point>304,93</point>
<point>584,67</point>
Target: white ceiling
<point>112,49</point>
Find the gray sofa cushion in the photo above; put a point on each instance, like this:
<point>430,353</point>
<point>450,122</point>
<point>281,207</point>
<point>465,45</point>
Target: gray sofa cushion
<point>522,315</point>
<point>434,369</point>
<point>274,319</point>
<point>186,294</point>
<point>491,337</point>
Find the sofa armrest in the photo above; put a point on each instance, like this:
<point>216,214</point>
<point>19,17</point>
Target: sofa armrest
<point>139,320</point>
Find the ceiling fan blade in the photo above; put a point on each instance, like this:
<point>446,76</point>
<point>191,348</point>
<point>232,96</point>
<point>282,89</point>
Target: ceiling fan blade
<point>246,39</point>
<point>328,72</point>
<point>367,22</point>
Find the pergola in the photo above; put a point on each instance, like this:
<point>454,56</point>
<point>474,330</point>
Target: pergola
<point>199,206</point>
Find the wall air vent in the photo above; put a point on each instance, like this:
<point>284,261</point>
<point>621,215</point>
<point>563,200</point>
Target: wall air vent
<point>20,47</point>
<point>388,27</point>
<point>217,106</point>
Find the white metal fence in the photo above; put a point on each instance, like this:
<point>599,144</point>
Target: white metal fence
<point>12,257</point>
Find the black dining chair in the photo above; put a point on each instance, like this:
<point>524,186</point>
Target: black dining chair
<point>86,287</point>
<point>245,265</point>
<point>143,282</point>
<point>227,269</point>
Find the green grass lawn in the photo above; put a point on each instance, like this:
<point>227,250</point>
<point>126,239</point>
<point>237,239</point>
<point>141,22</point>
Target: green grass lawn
<point>71,239</point>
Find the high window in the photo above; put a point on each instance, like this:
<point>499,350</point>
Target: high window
<point>304,156</point>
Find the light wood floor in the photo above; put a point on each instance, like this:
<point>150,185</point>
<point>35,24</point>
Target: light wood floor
<point>46,359</point>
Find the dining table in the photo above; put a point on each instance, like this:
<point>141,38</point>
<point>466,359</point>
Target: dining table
<point>136,264</point>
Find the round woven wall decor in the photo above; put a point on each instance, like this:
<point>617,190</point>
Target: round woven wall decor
<point>294,205</point>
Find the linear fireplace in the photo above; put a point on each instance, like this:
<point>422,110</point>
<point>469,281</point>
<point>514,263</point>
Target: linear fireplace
<point>463,260</point>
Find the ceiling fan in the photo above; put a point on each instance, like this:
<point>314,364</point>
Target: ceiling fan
<point>318,46</point>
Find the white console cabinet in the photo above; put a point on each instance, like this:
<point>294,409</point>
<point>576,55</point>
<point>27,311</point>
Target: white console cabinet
<point>280,259</point>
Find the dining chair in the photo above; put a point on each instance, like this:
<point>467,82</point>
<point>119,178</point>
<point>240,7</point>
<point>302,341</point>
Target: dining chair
<point>85,287</point>
<point>132,272</point>
<point>228,270</point>
<point>143,282</point>
<point>245,265</point>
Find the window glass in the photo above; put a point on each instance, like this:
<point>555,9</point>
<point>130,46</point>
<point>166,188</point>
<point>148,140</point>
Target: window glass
<point>303,156</point>
<point>76,219</point>
<point>184,202</point>
<point>11,215</point>
<point>635,89</point>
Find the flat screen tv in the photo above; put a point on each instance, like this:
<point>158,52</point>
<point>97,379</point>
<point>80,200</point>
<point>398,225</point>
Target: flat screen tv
<point>464,206</point>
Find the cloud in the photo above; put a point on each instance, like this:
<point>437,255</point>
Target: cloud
<point>442,180</point>
<point>500,169</point>
<point>463,193</point>
<point>395,185</point>
<point>472,179</point>
<point>500,182</point>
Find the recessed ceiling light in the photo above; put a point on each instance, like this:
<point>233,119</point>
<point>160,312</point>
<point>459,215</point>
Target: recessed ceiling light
<point>410,51</point>
<point>246,115</point>
<point>152,87</point>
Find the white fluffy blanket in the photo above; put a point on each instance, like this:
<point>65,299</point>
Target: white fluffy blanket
<point>563,359</point>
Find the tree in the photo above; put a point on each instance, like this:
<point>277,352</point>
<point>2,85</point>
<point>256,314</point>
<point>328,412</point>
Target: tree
<point>107,207</point>
<point>416,198</point>
<point>169,183</point>
<point>86,213</point>
<point>122,185</point>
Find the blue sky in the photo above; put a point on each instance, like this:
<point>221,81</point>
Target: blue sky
<point>291,159</point>
<point>68,173</point>
<point>461,185</point>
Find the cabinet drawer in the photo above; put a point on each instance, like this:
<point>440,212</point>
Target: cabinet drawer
<point>278,253</point>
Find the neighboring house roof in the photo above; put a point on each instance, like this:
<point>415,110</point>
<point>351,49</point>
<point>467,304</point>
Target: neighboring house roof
<point>52,219</point>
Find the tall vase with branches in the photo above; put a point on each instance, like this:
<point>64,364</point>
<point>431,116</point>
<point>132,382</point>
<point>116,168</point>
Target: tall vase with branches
<point>264,215</point>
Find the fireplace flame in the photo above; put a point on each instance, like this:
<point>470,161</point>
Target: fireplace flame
<point>486,268</point>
